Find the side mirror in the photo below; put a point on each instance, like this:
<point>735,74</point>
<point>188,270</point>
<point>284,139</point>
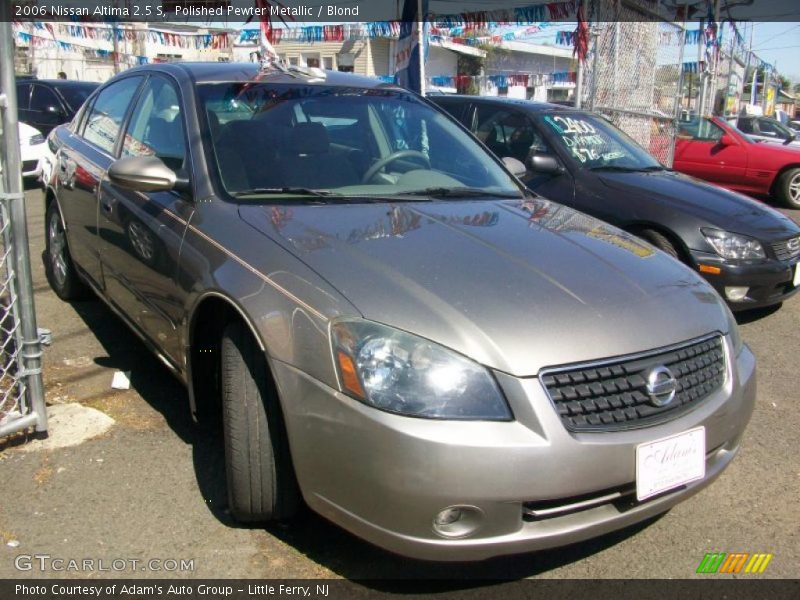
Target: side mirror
<point>142,174</point>
<point>544,163</point>
<point>728,140</point>
<point>517,168</point>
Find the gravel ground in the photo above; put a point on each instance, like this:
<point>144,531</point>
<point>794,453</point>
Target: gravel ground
<point>152,486</point>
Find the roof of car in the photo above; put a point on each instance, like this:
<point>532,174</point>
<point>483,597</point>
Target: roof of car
<point>218,72</point>
<point>66,82</point>
<point>505,101</point>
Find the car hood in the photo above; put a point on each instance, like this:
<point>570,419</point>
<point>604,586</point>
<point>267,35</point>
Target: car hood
<point>713,205</point>
<point>26,132</point>
<point>763,139</point>
<point>515,285</point>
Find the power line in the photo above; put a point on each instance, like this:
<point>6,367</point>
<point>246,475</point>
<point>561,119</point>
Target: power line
<point>778,48</point>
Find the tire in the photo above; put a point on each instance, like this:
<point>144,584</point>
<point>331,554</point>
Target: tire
<point>788,188</point>
<point>660,241</point>
<point>59,268</point>
<point>258,466</point>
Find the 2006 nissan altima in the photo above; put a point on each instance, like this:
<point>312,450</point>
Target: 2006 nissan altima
<point>392,329</point>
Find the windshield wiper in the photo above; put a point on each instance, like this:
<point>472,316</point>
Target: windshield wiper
<point>299,191</point>
<point>458,192</point>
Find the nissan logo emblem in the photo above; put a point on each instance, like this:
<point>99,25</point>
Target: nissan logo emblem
<point>661,386</point>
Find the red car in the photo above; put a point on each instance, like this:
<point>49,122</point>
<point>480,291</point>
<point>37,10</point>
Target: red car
<point>711,149</point>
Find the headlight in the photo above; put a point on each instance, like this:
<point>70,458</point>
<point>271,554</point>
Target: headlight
<point>36,139</point>
<point>401,373</point>
<point>733,245</point>
<point>734,333</point>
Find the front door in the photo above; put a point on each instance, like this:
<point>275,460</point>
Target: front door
<point>141,233</point>
<point>700,152</point>
<point>512,133</point>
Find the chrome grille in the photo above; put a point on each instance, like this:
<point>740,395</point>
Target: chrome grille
<point>613,395</point>
<point>787,249</point>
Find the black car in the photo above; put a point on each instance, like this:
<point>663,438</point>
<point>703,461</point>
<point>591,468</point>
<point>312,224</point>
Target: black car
<point>748,251</point>
<point>47,103</point>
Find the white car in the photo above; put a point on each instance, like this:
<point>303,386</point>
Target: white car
<point>33,147</point>
<point>765,129</point>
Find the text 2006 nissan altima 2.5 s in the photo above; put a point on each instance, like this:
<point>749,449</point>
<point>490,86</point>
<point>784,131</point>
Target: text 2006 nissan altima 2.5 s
<point>392,329</point>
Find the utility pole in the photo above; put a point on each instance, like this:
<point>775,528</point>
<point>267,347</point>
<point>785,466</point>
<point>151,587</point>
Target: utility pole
<point>32,51</point>
<point>580,75</point>
<point>421,47</point>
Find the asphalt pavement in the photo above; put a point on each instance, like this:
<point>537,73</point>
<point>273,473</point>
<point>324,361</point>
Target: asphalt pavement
<point>152,485</point>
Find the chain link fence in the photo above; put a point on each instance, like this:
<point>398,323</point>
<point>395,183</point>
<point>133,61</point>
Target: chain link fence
<point>22,405</point>
<point>634,76</point>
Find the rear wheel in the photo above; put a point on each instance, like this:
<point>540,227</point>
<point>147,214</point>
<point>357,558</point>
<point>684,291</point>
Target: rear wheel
<point>59,268</point>
<point>261,481</point>
<point>660,241</point>
<point>788,188</point>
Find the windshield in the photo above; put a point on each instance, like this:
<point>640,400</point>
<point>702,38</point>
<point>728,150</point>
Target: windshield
<point>306,139</point>
<point>76,95</point>
<point>592,143</point>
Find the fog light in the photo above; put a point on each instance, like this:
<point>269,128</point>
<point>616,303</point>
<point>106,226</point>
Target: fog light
<point>736,294</point>
<point>458,521</point>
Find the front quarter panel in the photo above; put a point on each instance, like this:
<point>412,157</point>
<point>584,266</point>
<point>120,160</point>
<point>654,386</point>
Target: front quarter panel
<point>286,303</point>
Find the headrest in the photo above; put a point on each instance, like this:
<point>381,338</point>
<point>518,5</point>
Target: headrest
<point>309,138</point>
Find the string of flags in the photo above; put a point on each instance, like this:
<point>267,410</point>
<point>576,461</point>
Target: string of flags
<point>55,33</point>
<point>470,36</point>
<point>694,67</point>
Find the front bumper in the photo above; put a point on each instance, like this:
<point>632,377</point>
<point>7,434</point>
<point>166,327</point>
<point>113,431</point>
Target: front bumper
<point>769,282</point>
<point>385,477</point>
<point>31,157</point>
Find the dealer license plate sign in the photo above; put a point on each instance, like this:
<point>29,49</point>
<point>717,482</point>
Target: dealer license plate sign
<point>796,281</point>
<point>670,462</point>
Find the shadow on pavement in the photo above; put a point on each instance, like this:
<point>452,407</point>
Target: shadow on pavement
<point>164,393</point>
<point>310,534</point>
<point>750,316</point>
<point>352,558</point>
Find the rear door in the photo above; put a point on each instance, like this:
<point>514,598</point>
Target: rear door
<point>699,152</point>
<point>81,166</point>
<point>46,110</point>
<point>141,233</point>
<point>24,102</point>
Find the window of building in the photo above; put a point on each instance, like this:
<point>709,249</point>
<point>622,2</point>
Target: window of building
<point>346,62</point>
<point>312,60</point>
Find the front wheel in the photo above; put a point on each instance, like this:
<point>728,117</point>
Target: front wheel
<point>788,188</point>
<point>261,481</point>
<point>660,241</point>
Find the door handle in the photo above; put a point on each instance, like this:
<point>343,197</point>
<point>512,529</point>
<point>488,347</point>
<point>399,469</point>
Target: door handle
<point>107,205</point>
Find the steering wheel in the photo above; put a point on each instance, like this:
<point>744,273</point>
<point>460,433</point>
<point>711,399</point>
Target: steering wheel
<point>373,170</point>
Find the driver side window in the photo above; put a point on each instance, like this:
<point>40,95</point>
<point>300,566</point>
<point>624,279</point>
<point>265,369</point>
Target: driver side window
<point>508,133</point>
<point>767,127</point>
<point>701,130</point>
<point>156,126</point>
